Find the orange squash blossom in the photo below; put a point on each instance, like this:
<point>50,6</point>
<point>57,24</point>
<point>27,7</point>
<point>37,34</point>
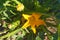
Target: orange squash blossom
<point>33,21</point>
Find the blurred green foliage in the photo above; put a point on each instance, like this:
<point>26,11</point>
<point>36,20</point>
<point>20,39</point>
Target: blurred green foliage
<point>12,17</point>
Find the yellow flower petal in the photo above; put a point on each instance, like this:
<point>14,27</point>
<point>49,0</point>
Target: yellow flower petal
<point>26,25</point>
<point>33,29</point>
<point>26,16</point>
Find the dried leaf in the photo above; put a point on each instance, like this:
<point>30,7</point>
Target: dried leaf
<point>51,20</point>
<point>52,29</point>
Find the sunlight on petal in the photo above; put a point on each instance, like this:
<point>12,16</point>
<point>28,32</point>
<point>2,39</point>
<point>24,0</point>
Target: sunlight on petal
<point>26,16</point>
<point>33,29</point>
<point>26,25</point>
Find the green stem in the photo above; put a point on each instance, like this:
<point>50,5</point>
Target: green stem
<point>10,34</point>
<point>16,1</point>
<point>6,3</point>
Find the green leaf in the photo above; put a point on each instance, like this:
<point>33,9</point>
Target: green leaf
<point>38,38</point>
<point>59,32</point>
